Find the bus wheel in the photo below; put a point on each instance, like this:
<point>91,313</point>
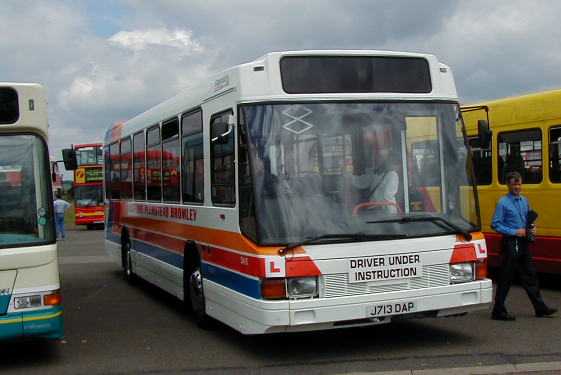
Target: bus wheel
<point>194,294</point>
<point>126,260</point>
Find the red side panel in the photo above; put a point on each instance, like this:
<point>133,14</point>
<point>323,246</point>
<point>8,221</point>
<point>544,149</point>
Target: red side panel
<point>301,266</point>
<point>546,252</point>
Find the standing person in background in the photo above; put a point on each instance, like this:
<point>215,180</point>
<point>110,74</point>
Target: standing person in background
<point>60,206</point>
<point>511,220</point>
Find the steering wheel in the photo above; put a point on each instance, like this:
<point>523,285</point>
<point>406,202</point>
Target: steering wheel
<point>365,205</point>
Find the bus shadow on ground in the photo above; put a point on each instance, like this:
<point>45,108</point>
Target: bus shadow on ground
<point>394,337</point>
<point>27,353</point>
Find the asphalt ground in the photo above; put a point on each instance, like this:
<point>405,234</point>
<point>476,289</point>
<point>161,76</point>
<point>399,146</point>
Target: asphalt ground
<point>112,327</point>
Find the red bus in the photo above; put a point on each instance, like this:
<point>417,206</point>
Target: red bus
<point>88,184</point>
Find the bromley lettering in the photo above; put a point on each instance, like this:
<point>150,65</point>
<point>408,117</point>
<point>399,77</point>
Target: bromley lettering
<point>181,213</point>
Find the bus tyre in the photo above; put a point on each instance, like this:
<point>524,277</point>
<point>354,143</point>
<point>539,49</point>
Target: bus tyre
<point>126,260</point>
<point>195,296</point>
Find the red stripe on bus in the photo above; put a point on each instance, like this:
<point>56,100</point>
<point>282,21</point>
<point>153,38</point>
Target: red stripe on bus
<point>301,266</point>
<point>238,262</point>
<point>162,241</point>
<point>463,253</point>
<point>215,237</point>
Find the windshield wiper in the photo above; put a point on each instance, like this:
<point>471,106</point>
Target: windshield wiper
<point>338,237</point>
<point>412,219</point>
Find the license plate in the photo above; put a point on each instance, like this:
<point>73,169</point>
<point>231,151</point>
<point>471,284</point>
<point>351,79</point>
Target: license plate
<point>393,308</point>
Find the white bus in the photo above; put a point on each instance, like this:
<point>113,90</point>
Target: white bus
<point>297,192</point>
<point>30,301</point>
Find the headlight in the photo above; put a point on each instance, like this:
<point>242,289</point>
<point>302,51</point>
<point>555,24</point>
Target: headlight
<point>27,302</point>
<point>302,287</point>
<point>461,273</point>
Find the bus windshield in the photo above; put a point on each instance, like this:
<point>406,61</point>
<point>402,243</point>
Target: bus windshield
<point>363,168</point>
<point>88,195</point>
<point>25,209</point>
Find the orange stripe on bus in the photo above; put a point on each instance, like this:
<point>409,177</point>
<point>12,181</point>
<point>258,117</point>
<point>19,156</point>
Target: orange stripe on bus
<point>216,237</point>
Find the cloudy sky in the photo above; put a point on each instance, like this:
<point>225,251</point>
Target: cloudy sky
<point>108,60</point>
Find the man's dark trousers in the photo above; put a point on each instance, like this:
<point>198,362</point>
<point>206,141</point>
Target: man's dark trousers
<point>517,261</point>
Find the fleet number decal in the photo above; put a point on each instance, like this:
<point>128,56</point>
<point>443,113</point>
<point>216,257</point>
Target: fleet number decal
<point>387,267</point>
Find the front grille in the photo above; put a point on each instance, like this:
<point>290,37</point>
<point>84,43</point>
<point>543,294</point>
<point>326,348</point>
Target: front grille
<point>337,284</point>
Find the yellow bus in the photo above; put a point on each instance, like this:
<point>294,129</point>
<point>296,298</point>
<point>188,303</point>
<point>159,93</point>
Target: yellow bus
<point>526,138</point>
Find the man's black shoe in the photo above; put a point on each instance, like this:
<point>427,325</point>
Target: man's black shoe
<point>546,313</point>
<point>505,316</point>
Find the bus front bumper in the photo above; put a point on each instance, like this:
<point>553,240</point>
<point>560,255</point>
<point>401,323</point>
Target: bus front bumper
<point>251,316</point>
<point>45,323</point>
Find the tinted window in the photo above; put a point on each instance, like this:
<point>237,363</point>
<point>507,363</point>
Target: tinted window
<point>153,165</point>
<point>222,159</point>
<point>482,163</point>
<point>358,74</point>
<point>115,170</point>
<point>26,215</point>
<point>521,151</point>
<point>555,154</point>
<point>139,167</point>
<point>9,108</point>
<point>170,160</point>
<point>126,169</point>
<point>193,157</point>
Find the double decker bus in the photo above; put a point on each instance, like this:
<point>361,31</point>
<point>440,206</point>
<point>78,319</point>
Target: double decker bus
<point>241,196</point>
<point>527,139</point>
<point>87,162</point>
<point>30,301</point>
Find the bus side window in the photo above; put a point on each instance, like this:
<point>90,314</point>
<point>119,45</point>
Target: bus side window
<point>521,151</point>
<point>170,160</point>
<point>248,221</point>
<point>126,176</point>
<point>482,163</point>
<point>139,167</point>
<point>193,157</point>
<point>115,170</point>
<point>223,189</point>
<point>153,164</point>
<point>555,154</point>
<point>107,162</point>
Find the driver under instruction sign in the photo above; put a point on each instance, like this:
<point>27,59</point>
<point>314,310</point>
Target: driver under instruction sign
<point>386,267</point>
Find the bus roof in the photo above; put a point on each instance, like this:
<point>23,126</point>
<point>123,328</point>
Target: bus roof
<point>260,81</point>
<point>32,108</point>
<point>538,106</point>
<point>84,145</point>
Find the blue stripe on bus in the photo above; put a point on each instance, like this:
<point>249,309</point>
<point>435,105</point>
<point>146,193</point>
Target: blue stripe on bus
<point>232,280</point>
<point>224,277</point>
<point>165,256</point>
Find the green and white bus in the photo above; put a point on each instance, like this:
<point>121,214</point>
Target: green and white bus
<point>30,300</point>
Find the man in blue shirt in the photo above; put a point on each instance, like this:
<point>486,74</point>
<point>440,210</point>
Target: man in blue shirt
<point>511,219</point>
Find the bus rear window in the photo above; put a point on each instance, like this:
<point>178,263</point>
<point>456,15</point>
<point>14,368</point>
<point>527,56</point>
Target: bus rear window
<point>354,74</point>
<point>9,109</point>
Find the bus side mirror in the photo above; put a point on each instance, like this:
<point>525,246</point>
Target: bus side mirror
<point>54,171</point>
<point>69,158</point>
<point>484,134</point>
